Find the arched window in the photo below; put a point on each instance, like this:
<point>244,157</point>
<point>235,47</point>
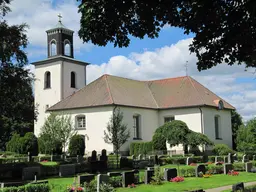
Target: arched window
<point>217,127</point>
<point>73,79</point>
<point>137,126</point>
<point>47,80</point>
<point>67,48</point>
<point>53,48</point>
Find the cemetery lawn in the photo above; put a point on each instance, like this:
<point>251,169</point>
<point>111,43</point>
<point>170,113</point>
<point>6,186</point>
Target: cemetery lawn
<point>190,183</point>
<point>193,183</point>
<point>49,163</point>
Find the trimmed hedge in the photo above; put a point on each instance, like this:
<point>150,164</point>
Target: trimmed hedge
<point>137,148</point>
<point>28,188</point>
<point>76,145</point>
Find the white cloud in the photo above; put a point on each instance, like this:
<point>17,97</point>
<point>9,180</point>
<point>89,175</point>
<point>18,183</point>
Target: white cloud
<point>41,15</point>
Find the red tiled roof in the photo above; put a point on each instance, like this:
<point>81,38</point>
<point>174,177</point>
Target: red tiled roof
<point>158,94</point>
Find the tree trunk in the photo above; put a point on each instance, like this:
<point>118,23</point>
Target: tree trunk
<point>117,163</point>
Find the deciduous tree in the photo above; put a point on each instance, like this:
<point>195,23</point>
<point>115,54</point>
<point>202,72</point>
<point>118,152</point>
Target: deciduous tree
<point>117,132</point>
<point>224,31</point>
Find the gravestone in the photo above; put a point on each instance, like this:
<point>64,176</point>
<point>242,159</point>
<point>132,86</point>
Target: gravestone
<point>150,168</point>
<point>244,159</point>
<point>140,157</point>
<point>81,179</point>
<point>104,159</point>
<point>94,156</point>
<point>189,161</point>
<point>148,176</point>
<point>128,178</point>
<point>29,157</point>
<point>93,163</point>
<point>217,159</point>
<point>200,168</point>
<point>67,170</point>
<point>205,158</point>
<point>133,157</point>
<point>248,167</point>
<point>254,157</point>
<point>227,167</point>
<point>51,157</point>
<point>230,158</point>
<point>170,174</point>
<point>238,187</point>
<point>29,173</point>
<point>225,159</point>
<point>114,174</point>
<point>101,178</point>
<point>156,160</point>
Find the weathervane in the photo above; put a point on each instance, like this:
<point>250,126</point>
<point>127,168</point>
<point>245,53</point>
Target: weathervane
<point>186,65</point>
<point>59,15</point>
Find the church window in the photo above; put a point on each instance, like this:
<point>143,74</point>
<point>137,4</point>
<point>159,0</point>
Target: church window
<point>53,48</point>
<point>217,127</point>
<point>80,122</point>
<point>220,105</point>
<point>67,48</point>
<point>169,119</point>
<point>136,126</point>
<point>47,80</point>
<point>73,79</point>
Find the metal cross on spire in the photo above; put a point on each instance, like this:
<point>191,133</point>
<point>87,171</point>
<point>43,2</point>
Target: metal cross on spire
<point>186,65</point>
<point>60,16</point>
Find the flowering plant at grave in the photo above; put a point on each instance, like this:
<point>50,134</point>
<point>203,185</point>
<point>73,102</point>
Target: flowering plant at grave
<point>177,179</point>
<point>221,162</point>
<point>193,164</point>
<point>207,174</point>
<point>75,189</point>
<point>132,185</point>
<point>45,161</point>
<point>209,163</point>
<point>233,173</point>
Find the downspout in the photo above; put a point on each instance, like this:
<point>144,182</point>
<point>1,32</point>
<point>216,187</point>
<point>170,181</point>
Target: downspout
<point>202,123</point>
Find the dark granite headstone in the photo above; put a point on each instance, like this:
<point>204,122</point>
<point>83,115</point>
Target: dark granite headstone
<point>238,187</point>
<point>189,160</point>
<point>148,176</point>
<point>230,158</point>
<point>200,168</point>
<point>156,160</point>
<point>205,158</point>
<point>67,170</point>
<point>81,179</point>
<point>127,178</point>
<point>28,173</point>
<point>170,174</point>
<point>227,167</point>
<point>248,167</point>
<point>101,178</point>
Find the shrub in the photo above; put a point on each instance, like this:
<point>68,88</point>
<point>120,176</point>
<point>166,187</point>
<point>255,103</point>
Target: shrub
<point>126,163</point>
<point>14,144</point>
<point>157,178</point>
<point>159,142</point>
<point>137,148</point>
<point>105,187</point>
<point>29,143</point>
<point>28,188</point>
<point>45,146</point>
<point>221,149</point>
<point>76,145</point>
<point>91,186</point>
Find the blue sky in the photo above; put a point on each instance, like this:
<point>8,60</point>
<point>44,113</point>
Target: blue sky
<point>143,59</point>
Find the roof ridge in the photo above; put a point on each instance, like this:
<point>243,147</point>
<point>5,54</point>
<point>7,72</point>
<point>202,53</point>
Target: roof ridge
<point>190,79</point>
<point>152,95</point>
<point>108,87</point>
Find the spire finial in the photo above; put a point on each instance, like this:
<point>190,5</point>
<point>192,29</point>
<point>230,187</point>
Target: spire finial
<point>186,65</point>
<point>60,16</point>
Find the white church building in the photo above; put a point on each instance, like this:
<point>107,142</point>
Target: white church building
<point>60,86</point>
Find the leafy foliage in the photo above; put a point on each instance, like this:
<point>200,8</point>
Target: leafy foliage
<point>23,145</point>
<point>221,149</point>
<point>116,133</point>
<point>158,176</point>
<point>246,137</point>
<point>59,129</point>
<point>76,145</point>
<point>16,107</point>
<point>217,26</point>
<point>137,148</point>
<point>236,122</point>
<point>176,132</point>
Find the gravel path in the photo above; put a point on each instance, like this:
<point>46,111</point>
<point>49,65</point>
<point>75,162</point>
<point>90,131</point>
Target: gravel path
<point>228,187</point>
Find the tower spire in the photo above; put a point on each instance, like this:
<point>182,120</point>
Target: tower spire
<point>186,66</point>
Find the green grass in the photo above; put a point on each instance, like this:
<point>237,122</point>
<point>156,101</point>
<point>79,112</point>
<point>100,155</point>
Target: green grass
<point>190,183</point>
<point>49,163</point>
<point>193,183</point>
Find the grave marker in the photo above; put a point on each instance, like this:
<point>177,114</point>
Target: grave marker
<point>227,167</point>
<point>148,176</point>
<point>170,174</point>
<point>248,167</point>
<point>200,168</point>
<point>101,178</point>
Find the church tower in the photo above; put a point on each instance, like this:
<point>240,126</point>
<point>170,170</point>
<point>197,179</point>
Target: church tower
<point>59,75</point>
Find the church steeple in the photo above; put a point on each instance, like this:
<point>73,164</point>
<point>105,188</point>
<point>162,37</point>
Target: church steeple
<point>60,41</point>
